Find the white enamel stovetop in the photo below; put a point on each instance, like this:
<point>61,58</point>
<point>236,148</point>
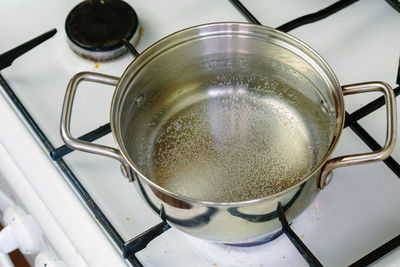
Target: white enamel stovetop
<point>355,214</point>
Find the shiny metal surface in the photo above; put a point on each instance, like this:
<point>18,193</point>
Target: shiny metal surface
<point>67,111</point>
<point>230,223</point>
<point>391,130</point>
<point>187,68</point>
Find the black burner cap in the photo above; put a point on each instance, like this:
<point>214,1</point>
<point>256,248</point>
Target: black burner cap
<point>100,25</point>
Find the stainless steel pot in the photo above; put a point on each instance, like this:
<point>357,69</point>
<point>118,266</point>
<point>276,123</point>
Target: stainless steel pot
<point>216,68</point>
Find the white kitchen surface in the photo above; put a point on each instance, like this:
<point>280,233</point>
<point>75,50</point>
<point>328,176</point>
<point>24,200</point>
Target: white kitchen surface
<point>355,214</point>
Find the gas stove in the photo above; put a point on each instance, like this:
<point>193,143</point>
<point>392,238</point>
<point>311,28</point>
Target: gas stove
<point>91,215</point>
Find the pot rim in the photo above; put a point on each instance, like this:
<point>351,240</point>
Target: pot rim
<point>153,51</point>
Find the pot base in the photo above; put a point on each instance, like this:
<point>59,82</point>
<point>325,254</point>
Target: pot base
<point>260,241</point>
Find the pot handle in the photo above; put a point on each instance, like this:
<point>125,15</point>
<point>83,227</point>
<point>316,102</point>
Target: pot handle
<point>391,129</point>
<point>67,110</point>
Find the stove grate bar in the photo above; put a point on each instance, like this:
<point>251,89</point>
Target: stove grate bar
<point>374,105</point>
<point>398,74</point>
<point>130,47</point>
<point>395,4</point>
<point>378,253</point>
<point>140,242</point>
<point>313,17</point>
<point>134,261</point>
<point>7,58</point>
<point>91,204</point>
<point>306,19</point>
<point>25,114</point>
<point>367,109</point>
<point>91,136</point>
<point>296,241</point>
<point>374,145</point>
<point>244,11</point>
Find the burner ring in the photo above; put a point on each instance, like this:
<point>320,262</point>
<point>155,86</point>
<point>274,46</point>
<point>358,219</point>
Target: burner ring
<point>95,29</point>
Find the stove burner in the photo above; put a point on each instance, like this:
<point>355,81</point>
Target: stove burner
<point>95,28</point>
<point>259,242</point>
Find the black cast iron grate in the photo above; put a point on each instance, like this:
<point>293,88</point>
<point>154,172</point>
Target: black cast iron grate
<point>138,243</point>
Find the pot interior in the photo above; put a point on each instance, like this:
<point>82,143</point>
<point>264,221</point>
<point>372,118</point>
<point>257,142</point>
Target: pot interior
<point>225,117</point>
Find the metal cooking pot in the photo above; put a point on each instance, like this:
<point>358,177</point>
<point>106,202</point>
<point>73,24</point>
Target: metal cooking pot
<point>218,123</point>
